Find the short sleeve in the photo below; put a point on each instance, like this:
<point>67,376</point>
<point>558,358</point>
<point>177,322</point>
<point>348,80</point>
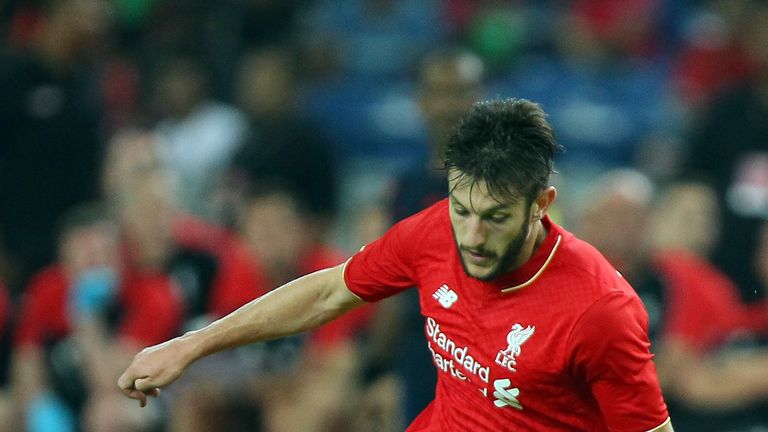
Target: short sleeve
<point>382,268</point>
<point>611,355</point>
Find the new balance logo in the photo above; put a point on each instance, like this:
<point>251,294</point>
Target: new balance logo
<point>446,296</point>
<point>505,396</point>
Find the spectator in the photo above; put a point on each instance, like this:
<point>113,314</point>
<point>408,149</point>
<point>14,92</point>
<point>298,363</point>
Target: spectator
<point>282,143</point>
<point>196,136</point>
<point>729,146</point>
<point>696,316</point>
<point>84,313</point>
<point>50,117</point>
<point>615,219</point>
<point>160,240</point>
<point>178,253</point>
<point>237,27</point>
<point>606,98</point>
<point>709,363</point>
<point>323,386</point>
<point>215,273</point>
<point>449,82</point>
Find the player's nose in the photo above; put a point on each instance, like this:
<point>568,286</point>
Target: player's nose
<point>474,233</point>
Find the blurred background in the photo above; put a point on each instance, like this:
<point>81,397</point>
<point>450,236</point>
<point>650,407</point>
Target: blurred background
<point>162,162</point>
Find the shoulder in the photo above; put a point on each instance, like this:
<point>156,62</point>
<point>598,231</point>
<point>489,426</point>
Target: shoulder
<point>614,310</point>
<point>596,294</point>
<point>605,305</point>
<point>611,333</point>
<point>582,267</point>
<point>425,230</point>
<point>392,262</point>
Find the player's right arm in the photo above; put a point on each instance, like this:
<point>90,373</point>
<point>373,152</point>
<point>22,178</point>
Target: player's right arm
<point>611,356</point>
<point>297,306</point>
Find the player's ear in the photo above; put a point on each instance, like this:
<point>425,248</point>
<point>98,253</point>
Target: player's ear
<point>542,202</point>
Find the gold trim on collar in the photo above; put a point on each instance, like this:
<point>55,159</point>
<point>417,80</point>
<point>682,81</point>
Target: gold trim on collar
<point>541,270</point>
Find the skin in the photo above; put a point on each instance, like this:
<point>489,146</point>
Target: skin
<point>495,236</point>
<point>146,218</point>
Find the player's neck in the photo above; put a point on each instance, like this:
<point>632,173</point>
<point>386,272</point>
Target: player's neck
<point>533,242</point>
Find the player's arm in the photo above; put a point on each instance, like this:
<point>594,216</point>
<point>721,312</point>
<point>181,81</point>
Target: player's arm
<point>610,354</point>
<point>300,305</point>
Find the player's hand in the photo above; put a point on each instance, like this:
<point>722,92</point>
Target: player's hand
<point>153,368</point>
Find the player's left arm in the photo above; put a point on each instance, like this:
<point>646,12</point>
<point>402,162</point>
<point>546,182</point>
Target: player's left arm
<point>610,353</point>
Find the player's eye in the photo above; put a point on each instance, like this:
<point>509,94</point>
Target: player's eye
<point>498,218</point>
<point>461,211</point>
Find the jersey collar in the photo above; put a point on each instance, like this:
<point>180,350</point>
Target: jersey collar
<point>535,266</point>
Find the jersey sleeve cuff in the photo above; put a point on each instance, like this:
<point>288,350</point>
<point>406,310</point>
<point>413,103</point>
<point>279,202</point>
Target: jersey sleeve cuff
<point>666,422</point>
<point>346,281</point>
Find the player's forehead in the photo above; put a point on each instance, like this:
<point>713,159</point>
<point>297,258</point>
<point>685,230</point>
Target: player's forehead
<point>480,195</point>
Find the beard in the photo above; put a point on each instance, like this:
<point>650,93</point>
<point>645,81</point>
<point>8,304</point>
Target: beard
<point>510,254</point>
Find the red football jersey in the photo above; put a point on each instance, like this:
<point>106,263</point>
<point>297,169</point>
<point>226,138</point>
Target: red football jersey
<point>559,344</point>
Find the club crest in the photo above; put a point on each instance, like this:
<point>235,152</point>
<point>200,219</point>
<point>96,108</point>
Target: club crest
<point>515,339</point>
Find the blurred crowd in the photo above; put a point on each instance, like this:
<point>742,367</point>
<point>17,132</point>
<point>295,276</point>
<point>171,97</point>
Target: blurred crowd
<point>163,162</point>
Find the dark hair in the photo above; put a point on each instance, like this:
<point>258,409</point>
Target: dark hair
<point>508,144</point>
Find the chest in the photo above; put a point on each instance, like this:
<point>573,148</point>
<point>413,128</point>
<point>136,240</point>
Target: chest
<point>504,347</point>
